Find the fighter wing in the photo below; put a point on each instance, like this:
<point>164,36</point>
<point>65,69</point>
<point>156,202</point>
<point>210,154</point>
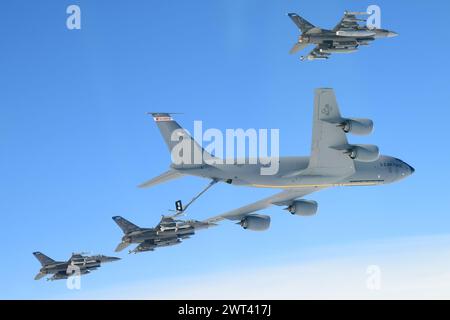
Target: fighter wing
<point>350,21</point>
<point>327,158</point>
<point>283,198</point>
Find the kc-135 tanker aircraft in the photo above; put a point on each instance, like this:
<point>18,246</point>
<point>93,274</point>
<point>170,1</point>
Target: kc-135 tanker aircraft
<point>346,37</point>
<point>333,162</point>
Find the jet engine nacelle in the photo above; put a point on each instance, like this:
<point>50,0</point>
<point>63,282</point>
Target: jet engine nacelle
<point>303,208</point>
<point>364,152</point>
<point>255,222</point>
<point>359,127</point>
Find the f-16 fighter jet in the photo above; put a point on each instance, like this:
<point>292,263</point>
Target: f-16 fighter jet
<point>350,33</point>
<point>334,161</point>
<point>78,264</point>
<point>169,231</point>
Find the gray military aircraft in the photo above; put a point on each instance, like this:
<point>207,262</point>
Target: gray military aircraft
<point>77,264</point>
<point>346,37</point>
<point>333,162</point>
<point>169,231</point>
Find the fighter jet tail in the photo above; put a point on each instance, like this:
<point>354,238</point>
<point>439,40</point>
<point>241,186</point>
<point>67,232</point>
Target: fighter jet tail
<point>122,246</point>
<point>43,259</point>
<point>125,225</point>
<point>39,276</point>
<point>301,23</point>
<point>297,47</point>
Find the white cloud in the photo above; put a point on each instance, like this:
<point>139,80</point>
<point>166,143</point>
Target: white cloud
<point>411,268</point>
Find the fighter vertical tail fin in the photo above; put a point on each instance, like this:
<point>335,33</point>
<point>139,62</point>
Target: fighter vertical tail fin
<point>301,23</point>
<point>125,225</point>
<point>43,259</point>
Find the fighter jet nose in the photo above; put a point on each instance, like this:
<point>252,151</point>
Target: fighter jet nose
<point>110,259</point>
<point>392,34</point>
<point>411,169</point>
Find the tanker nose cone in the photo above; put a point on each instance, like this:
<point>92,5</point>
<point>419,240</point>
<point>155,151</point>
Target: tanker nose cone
<point>411,169</point>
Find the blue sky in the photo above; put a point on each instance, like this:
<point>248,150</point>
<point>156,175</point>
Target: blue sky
<point>76,141</point>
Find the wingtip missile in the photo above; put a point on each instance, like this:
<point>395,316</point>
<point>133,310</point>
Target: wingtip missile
<point>356,13</point>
